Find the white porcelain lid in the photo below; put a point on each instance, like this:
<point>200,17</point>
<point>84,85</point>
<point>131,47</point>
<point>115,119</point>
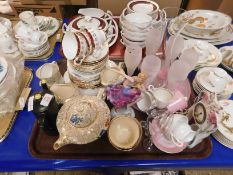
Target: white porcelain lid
<point>92,12</point>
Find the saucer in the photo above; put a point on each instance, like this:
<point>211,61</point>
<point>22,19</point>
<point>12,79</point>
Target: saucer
<point>201,74</point>
<point>53,26</point>
<point>161,142</point>
<point>223,140</point>
<point>112,31</point>
<point>225,119</point>
<point>225,36</point>
<point>209,55</point>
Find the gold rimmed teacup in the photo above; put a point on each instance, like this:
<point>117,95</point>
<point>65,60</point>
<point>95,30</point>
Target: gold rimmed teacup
<point>124,133</point>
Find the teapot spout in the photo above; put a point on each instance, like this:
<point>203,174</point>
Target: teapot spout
<point>59,143</point>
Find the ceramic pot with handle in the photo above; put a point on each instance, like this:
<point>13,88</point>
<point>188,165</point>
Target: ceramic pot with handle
<point>81,120</point>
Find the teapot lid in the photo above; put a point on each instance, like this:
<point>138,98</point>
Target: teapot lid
<point>82,113</point>
<point>82,119</point>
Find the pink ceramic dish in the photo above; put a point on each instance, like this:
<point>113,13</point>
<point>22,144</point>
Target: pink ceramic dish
<point>160,141</point>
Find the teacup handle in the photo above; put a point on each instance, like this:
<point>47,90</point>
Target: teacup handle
<point>109,12</point>
<point>101,94</point>
<point>151,88</point>
<point>65,28</point>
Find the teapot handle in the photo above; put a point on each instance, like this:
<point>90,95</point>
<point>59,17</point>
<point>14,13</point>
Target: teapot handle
<point>101,94</point>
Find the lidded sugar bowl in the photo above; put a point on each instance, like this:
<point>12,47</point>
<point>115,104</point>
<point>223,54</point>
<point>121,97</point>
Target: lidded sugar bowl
<point>82,120</point>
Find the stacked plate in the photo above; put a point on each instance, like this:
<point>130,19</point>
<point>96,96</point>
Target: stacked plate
<point>99,20</point>
<point>9,86</point>
<point>209,55</point>
<point>211,26</point>
<point>49,25</point>
<point>136,20</point>
<point>215,80</point>
<point>227,55</point>
<point>30,49</point>
<point>224,134</point>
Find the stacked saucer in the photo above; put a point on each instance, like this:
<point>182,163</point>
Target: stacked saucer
<point>215,80</point>
<point>31,41</point>
<point>211,26</point>
<point>224,134</point>
<point>209,55</point>
<point>136,20</point>
<point>30,49</point>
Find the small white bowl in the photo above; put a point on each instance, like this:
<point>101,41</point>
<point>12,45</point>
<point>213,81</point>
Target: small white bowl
<point>128,42</point>
<point>124,133</point>
<point>143,6</point>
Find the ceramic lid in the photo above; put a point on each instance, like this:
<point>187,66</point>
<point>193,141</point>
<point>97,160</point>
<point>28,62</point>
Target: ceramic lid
<point>82,120</point>
<point>92,12</point>
<point>3,68</point>
<point>87,22</point>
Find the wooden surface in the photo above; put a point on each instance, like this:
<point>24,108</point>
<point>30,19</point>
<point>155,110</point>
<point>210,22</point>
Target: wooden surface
<point>41,146</point>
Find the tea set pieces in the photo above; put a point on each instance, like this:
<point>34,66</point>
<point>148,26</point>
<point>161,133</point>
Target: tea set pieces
<point>215,80</point>
<point>11,68</point>
<point>31,41</point>
<point>227,56</point>
<point>93,18</point>
<point>49,25</point>
<point>50,73</point>
<point>82,120</point>
<point>210,26</point>
<point>10,80</point>
<point>136,20</point>
<point>124,133</point>
<point>98,15</point>
<point>86,50</point>
<point>225,124</point>
<point>172,132</point>
<point>8,46</point>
